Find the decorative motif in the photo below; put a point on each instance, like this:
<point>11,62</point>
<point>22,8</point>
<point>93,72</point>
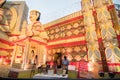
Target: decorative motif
<point>52,31</point>
<point>103,14</point>
<point>69,27</point>
<point>98,3</point>
<point>76,32</point>
<point>75,25</point>
<point>69,33</point>
<point>86,5</point>
<point>77,49</point>
<point>78,57</point>
<point>56,30</point>
<point>112,51</point>
<point>88,18</point>
<point>56,36</point>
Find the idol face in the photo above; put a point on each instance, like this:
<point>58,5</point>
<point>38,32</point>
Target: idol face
<point>33,16</point>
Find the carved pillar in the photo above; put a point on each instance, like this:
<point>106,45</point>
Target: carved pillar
<point>25,54</point>
<point>91,36</point>
<point>13,55</point>
<point>108,42</point>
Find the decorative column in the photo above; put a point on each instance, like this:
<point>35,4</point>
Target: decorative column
<point>114,18</point>
<point>108,34</point>
<point>91,37</point>
<point>25,54</point>
<point>13,55</point>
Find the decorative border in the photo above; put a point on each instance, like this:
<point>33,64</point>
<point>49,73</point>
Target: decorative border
<point>8,50</point>
<point>66,21</point>
<point>7,42</point>
<point>67,44</point>
<point>42,43</point>
<point>80,35</point>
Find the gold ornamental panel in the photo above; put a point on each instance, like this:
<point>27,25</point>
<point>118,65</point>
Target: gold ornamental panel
<point>81,23</point>
<point>69,33</point>
<point>56,36</point>
<point>110,2</point>
<point>98,3</point>
<point>78,57</point>
<point>52,31</point>
<point>86,5</point>
<point>60,34</point>
<point>84,48</point>
<point>77,49</point>
<point>69,26</point>
<point>88,18</point>
<point>63,50</point>
<point>63,28</point>
<point>69,49</point>
<point>75,25</point>
<point>57,30</point>
<point>63,35</point>
<point>81,30</point>
<point>103,14</point>
<point>76,32</point>
<point>52,37</point>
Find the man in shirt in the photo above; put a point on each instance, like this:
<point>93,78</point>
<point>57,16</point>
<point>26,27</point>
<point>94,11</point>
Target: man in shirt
<point>65,63</point>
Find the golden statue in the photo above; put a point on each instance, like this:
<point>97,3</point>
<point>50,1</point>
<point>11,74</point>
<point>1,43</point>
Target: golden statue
<point>35,29</point>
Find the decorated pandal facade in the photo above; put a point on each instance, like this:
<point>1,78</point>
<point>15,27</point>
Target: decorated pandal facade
<point>89,35</point>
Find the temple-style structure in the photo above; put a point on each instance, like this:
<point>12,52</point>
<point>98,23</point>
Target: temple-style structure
<point>89,35</point>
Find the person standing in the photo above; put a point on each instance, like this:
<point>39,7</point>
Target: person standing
<point>36,60</point>
<point>59,65</point>
<point>65,63</point>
